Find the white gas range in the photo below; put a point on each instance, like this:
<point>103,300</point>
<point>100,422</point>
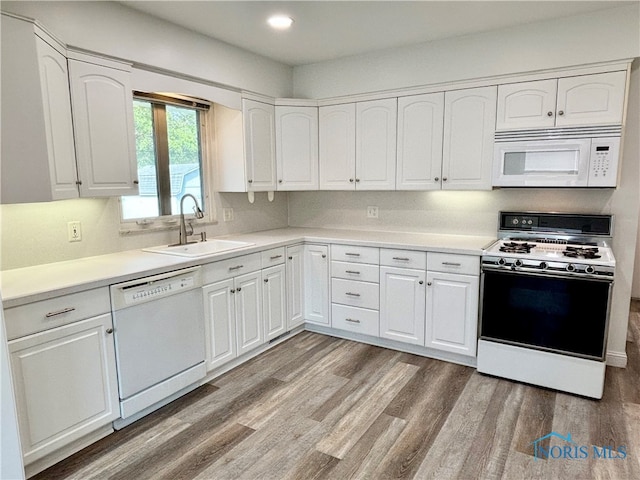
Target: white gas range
<point>546,291</point>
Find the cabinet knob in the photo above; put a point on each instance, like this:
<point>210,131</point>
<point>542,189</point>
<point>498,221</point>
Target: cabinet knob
<point>109,331</point>
<point>324,256</point>
<point>136,182</point>
<point>232,291</point>
<point>280,181</point>
<point>420,282</point>
<point>561,112</point>
<point>437,179</point>
<point>428,284</point>
<point>290,258</point>
<point>250,181</point>
<point>444,179</point>
<point>266,280</point>
<point>238,289</point>
<point>78,182</point>
<point>357,180</point>
<point>351,180</point>
<point>549,114</point>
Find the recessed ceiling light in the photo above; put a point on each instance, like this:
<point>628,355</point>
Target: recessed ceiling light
<point>280,22</point>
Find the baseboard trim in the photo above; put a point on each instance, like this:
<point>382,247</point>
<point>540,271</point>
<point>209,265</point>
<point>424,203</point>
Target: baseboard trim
<point>617,359</point>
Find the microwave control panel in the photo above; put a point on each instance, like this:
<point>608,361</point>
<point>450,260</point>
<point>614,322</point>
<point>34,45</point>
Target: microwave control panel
<point>603,162</point>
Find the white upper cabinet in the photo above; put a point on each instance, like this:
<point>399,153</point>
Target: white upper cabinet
<point>591,99</point>
<point>38,153</point>
<point>469,127</point>
<point>419,149</point>
<point>570,101</point>
<point>527,105</point>
<point>259,145</point>
<point>376,144</point>
<point>297,147</point>
<point>102,102</point>
<point>337,142</point>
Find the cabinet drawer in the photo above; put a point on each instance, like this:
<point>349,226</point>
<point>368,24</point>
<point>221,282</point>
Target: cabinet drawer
<point>356,294</point>
<point>353,319</point>
<point>55,312</point>
<point>232,267</point>
<point>347,253</point>
<point>272,257</point>
<point>452,263</point>
<point>355,271</point>
<point>403,258</point>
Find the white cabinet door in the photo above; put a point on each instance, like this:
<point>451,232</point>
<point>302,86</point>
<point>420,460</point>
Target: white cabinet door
<point>65,384</point>
<point>102,102</point>
<point>402,304</point>
<point>248,300</point>
<point>274,306</point>
<point>316,284</point>
<point>527,105</point>
<point>220,323</point>
<point>337,144</point>
<point>591,99</point>
<point>259,145</point>
<point>297,147</point>
<point>420,122</point>
<point>452,312</point>
<point>56,100</point>
<point>295,286</point>
<point>469,127</point>
<point>376,144</point>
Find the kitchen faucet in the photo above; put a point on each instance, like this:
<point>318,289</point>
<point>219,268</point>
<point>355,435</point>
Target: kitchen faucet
<point>183,227</point>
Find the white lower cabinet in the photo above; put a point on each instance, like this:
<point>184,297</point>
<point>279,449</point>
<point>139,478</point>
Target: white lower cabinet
<point>402,304</point>
<point>233,318</point>
<point>316,284</point>
<point>452,312</point>
<point>274,306</point>
<point>295,286</point>
<point>65,384</point>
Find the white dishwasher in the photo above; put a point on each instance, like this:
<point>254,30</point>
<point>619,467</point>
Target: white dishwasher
<point>159,338</point>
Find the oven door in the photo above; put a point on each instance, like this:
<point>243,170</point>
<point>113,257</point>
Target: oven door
<point>562,314</point>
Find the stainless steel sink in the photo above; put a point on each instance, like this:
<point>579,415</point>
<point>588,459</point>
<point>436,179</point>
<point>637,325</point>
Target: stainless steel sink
<point>199,249</point>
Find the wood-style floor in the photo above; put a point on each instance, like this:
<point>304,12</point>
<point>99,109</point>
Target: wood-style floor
<point>325,408</point>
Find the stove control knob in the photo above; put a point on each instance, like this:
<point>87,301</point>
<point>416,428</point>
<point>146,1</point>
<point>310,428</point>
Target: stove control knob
<point>502,261</point>
<point>570,268</point>
<point>518,263</point>
<point>544,265</point>
<point>590,269</point>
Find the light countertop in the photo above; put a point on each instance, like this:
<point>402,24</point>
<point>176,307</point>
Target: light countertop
<point>30,284</point>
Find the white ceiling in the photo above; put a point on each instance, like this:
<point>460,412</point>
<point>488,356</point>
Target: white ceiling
<point>326,30</point>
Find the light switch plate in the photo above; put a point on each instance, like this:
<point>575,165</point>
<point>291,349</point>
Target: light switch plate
<point>227,214</point>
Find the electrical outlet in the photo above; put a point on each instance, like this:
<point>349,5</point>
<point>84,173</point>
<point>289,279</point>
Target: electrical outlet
<point>74,230</point>
<point>372,212</point>
<point>227,214</point>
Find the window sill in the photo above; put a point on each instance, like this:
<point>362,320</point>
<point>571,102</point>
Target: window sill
<point>135,227</point>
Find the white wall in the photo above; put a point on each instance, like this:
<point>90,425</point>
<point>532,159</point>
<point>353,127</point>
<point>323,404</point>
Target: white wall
<point>594,37</point>
<point>113,29</point>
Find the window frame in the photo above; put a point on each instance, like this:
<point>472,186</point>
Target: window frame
<point>171,221</point>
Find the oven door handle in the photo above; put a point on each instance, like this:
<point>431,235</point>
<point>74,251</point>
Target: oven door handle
<point>546,274</point>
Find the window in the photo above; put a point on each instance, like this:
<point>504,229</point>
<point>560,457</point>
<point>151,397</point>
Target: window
<point>169,151</point>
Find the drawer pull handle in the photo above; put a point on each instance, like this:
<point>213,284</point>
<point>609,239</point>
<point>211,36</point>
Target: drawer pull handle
<point>60,312</point>
<point>404,259</point>
<point>237,267</point>
<point>353,272</point>
<point>452,264</point>
<point>275,257</point>
<point>352,294</point>
<point>352,254</point>
<point>352,320</point>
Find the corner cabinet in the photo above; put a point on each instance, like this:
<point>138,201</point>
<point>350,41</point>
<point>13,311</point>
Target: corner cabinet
<point>259,145</point>
<point>297,147</point>
<point>102,102</point>
<point>469,127</point>
<point>38,152</point>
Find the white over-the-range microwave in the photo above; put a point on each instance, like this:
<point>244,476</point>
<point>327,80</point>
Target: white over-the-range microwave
<point>567,157</point>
